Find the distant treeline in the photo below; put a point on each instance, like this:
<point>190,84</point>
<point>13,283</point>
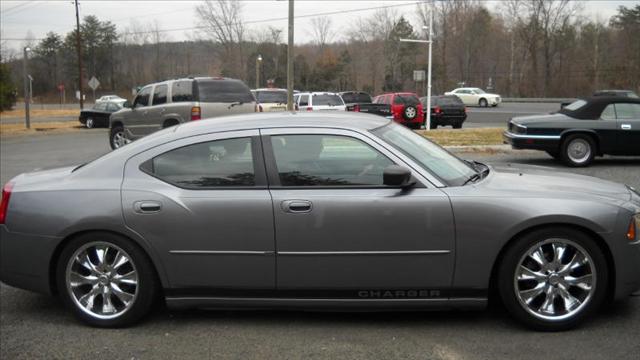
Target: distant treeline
<point>525,48</point>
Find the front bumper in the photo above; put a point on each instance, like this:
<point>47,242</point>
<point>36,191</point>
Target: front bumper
<point>25,260</point>
<point>533,142</point>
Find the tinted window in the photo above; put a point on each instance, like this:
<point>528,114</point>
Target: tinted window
<point>216,163</point>
<point>143,97</point>
<point>182,91</point>
<point>609,113</point>
<point>444,100</point>
<point>327,160</point>
<point>356,98</point>
<point>326,99</point>
<point>160,94</point>
<point>279,97</point>
<point>225,91</point>
<point>628,111</point>
<point>304,100</point>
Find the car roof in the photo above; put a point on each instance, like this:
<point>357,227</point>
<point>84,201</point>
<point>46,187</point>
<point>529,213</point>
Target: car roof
<point>351,120</point>
<point>269,89</point>
<point>595,105</point>
<point>317,93</point>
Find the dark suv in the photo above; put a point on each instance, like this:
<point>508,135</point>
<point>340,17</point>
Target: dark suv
<point>172,102</point>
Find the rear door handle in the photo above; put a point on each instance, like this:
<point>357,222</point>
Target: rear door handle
<point>147,207</point>
<point>625,126</point>
<point>296,206</point>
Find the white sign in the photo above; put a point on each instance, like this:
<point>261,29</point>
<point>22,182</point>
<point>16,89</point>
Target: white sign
<point>418,75</point>
<point>94,83</point>
<point>84,97</point>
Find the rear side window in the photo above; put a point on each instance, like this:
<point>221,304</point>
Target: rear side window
<point>160,94</point>
<point>327,100</point>
<point>143,97</point>
<point>182,91</point>
<point>226,162</point>
<point>304,100</point>
<point>628,111</point>
<point>226,91</point>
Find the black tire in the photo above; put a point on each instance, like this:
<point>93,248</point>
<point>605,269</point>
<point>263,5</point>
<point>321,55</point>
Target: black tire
<point>573,159</point>
<point>409,113</point>
<point>433,125</point>
<point>553,153</point>
<point>113,133</point>
<point>457,125</point>
<point>511,261</point>
<point>483,102</point>
<point>147,285</point>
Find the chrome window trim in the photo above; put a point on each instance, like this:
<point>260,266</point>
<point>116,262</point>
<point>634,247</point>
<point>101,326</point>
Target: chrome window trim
<point>412,252</point>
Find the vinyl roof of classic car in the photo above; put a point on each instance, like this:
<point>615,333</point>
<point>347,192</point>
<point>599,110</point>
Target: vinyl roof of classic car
<point>595,105</point>
<point>342,120</point>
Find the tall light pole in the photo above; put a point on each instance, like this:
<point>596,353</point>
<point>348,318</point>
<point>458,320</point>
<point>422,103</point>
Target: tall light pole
<point>429,41</point>
<point>290,60</point>
<point>258,61</point>
<point>27,97</point>
<point>79,50</point>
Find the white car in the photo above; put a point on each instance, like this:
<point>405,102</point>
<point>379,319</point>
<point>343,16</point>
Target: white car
<point>476,96</point>
<point>319,101</point>
<point>110,98</point>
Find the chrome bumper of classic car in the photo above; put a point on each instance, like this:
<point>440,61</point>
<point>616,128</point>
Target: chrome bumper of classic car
<point>533,142</point>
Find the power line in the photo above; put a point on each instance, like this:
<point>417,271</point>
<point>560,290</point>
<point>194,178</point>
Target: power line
<point>19,8</point>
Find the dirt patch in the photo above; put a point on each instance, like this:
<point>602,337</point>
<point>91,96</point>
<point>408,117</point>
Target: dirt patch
<point>37,113</point>
<point>465,137</point>
<point>19,129</point>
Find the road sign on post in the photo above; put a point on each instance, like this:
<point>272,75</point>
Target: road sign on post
<point>93,84</point>
<point>419,75</point>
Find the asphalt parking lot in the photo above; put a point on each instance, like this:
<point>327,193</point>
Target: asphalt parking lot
<point>35,326</point>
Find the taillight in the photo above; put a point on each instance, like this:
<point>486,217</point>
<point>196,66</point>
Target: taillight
<point>4,204</point>
<point>195,113</point>
<point>634,225</point>
<point>309,108</point>
<point>437,110</point>
<point>356,108</point>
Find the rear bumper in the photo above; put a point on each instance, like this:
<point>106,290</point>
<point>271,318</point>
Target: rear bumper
<point>532,142</point>
<point>448,119</point>
<point>419,119</point>
<point>25,260</point>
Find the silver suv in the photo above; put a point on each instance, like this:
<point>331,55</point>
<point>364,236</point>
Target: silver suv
<point>160,105</point>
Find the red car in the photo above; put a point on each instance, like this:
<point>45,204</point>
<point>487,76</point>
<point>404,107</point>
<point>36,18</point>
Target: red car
<point>405,108</point>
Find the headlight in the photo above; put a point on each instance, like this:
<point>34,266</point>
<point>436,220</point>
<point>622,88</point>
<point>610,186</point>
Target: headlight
<point>634,228</point>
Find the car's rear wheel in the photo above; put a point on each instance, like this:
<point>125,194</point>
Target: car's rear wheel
<point>90,124</point>
<point>578,150</point>
<point>117,137</point>
<point>483,103</point>
<point>106,280</point>
<point>457,125</point>
<point>552,279</point>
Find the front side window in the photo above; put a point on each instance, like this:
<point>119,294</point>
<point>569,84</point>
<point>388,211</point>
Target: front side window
<point>182,91</point>
<point>628,111</point>
<point>430,156</point>
<point>143,97</point>
<point>327,160</point>
<point>160,95</point>
<point>217,163</point>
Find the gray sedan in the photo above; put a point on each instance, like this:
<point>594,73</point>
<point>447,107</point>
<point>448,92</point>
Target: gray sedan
<point>322,211</point>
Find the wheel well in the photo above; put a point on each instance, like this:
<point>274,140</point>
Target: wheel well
<point>58,250</point>
<point>594,137</point>
<point>493,290</point>
<point>116,123</point>
<point>170,122</point>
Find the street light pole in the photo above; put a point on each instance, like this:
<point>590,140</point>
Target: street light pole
<point>79,50</point>
<point>428,122</point>
<point>258,61</point>
<point>290,60</point>
<point>27,97</point>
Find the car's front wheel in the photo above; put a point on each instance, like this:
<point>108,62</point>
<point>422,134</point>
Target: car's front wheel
<point>106,280</point>
<point>117,137</point>
<point>90,124</point>
<point>578,150</point>
<point>552,279</point>
<point>483,103</point>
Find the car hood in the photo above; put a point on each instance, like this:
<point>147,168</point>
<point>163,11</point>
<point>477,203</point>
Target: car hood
<point>543,182</point>
<point>540,118</point>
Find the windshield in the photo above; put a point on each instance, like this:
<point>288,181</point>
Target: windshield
<point>278,97</point>
<point>327,99</point>
<point>356,98</point>
<point>448,168</point>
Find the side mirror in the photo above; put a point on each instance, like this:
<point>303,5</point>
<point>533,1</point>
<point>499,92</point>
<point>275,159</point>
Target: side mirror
<point>127,104</point>
<point>397,176</point>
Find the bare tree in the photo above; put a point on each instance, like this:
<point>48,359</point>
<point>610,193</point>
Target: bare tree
<point>321,31</point>
<point>222,21</point>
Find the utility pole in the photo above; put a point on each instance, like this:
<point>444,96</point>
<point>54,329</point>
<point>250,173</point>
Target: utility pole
<point>79,50</point>
<point>27,94</point>
<point>290,60</point>
<point>258,61</point>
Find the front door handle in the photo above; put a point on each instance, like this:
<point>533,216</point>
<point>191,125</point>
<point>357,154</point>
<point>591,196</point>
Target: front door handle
<point>296,206</point>
<point>163,110</point>
<point>625,126</point>
<point>147,207</point>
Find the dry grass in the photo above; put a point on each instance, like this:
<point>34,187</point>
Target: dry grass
<point>59,126</point>
<point>465,137</point>
<point>34,113</point>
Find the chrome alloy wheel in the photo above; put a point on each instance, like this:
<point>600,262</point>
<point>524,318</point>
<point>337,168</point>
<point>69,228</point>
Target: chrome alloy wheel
<point>555,279</point>
<point>579,150</point>
<point>102,280</point>
<point>120,140</point>
<point>410,112</point>
<point>89,123</point>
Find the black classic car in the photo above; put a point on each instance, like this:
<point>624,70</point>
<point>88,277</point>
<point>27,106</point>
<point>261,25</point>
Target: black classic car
<point>445,110</point>
<point>98,116</point>
<point>580,131</point>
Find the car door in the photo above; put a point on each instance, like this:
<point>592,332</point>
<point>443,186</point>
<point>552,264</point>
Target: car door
<point>628,121</point>
<point>203,205</point>
<point>158,108</point>
<point>339,230</point>
<point>136,119</point>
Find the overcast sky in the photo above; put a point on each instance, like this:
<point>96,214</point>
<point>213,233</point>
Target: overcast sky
<point>19,19</point>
